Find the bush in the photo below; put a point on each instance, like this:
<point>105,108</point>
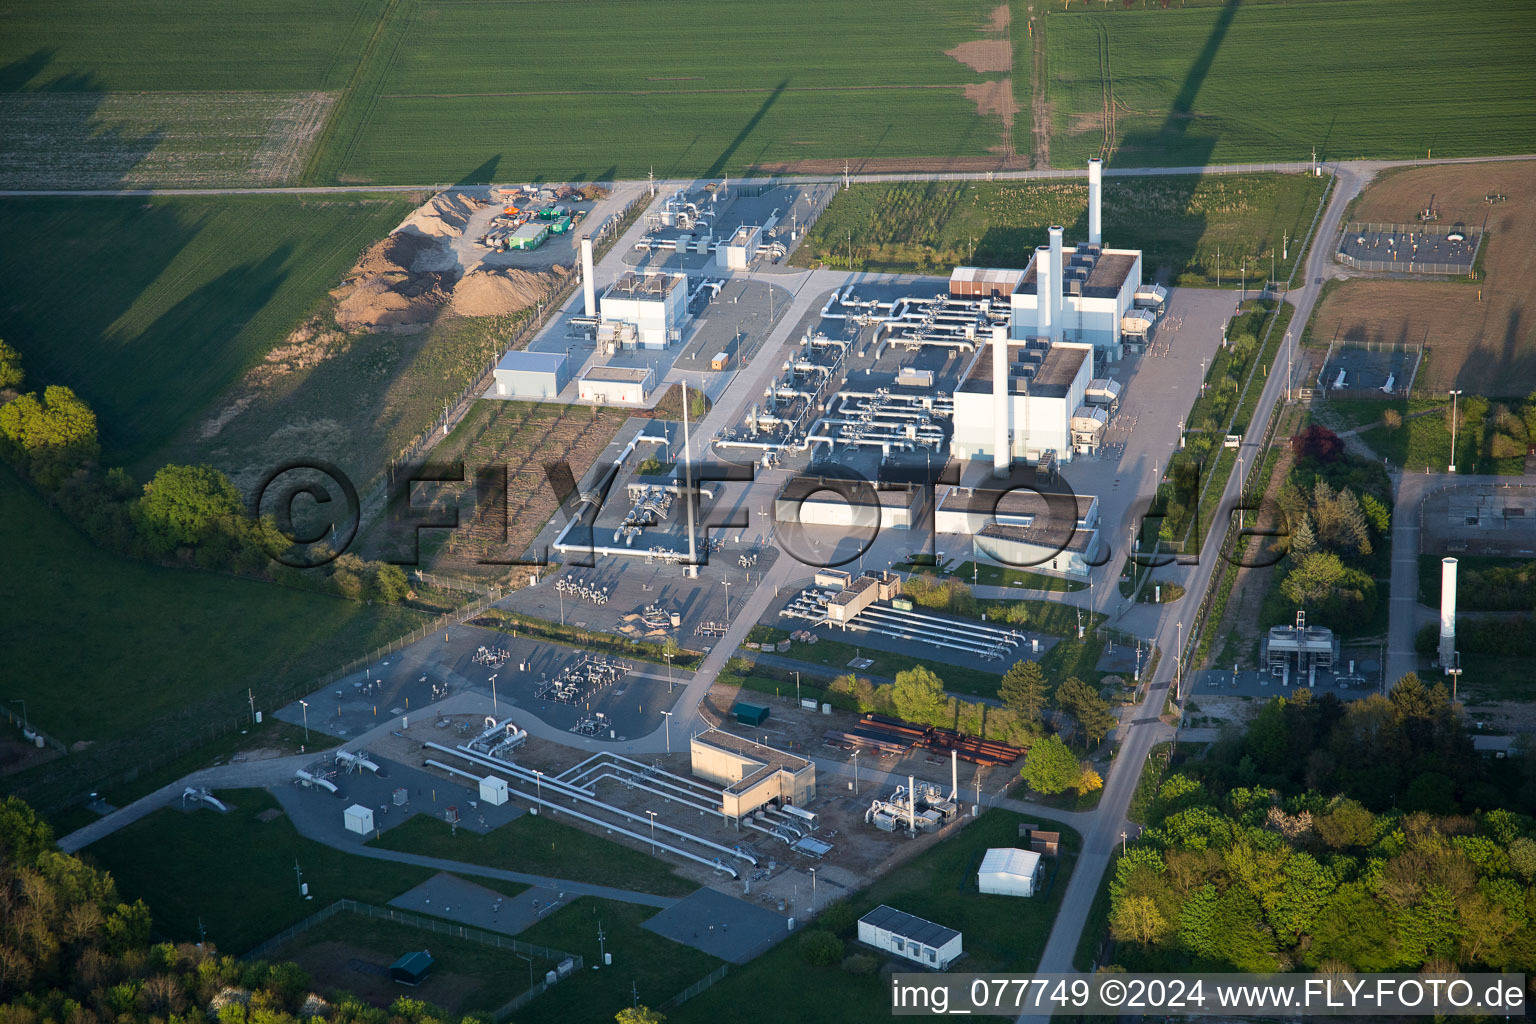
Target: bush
<point>821,948</point>
<point>861,963</point>
<point>838,918</point>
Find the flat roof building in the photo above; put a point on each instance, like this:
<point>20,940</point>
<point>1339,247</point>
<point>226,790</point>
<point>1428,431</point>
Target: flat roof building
<point>522,374</point>
<point>654,302</point>
<point>909,937</point>
<point>753,774</point>
<point>616,385</point>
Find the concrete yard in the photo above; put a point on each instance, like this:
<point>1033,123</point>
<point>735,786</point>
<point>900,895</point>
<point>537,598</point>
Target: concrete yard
<point>464,902</point>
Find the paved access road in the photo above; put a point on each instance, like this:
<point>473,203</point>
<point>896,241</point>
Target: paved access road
<point>1137,741</point>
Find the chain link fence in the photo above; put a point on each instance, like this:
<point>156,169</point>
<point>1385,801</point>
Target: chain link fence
<point>697,987</point>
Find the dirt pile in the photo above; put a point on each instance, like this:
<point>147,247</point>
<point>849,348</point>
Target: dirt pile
<point>384,291</point>
<point>443,216</point>
<point>498,292</point>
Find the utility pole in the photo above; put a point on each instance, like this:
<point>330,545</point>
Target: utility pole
<point>602,950</point>
<point>249,696</point>
<point>797,686</point>
<point>1452,467</point>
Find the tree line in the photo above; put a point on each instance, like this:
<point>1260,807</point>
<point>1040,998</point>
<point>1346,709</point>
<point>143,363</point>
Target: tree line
<point>73,952</point>
<point>1359,837</point>
<point>184,515</point>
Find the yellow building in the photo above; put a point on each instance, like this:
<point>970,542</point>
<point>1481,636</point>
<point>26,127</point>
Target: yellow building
<point>753,774</point>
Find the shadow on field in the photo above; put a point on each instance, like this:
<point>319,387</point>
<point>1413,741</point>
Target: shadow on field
<point>482,175</point>
<point>56,129</point>
<point>721,161</point>
<point>70,311</point>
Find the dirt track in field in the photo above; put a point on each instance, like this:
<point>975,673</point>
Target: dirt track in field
<point>1479,336</point>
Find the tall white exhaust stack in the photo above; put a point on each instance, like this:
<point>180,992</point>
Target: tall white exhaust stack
<point>1045,302</point>
<point>954,774</point>
<point>1002,404</point>
<point>1095,195</point>
<point>588,286</point>
<point>1447,611</point>
<point>1058,279</point>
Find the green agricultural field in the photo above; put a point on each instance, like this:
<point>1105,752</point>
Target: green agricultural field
<point>234,872</point>
<point>1181,223</point>
<point>180,45</point>
<point>1001,933</point>
<point>174,94</point>
<point>1244,82</point>
<point>472,91</point>
<point>169,650</point>
<point>152,309</point>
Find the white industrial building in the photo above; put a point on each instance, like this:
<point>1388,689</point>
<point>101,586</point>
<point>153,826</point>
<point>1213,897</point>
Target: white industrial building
<point>522,374</point>
<point>912,938</point>
<point>1021,405</point>
<point>738,251</point>
<point>654,303</point>
<point>1034,397</point>
<point>1023,528</point>
<point>616,385</point>
<point>1006,871</point>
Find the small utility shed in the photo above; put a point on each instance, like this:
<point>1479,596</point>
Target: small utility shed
<point>412,969</point>
<point>530,375</point>
<point>913,938</point>
<point>749,714</point>
<point>1006,871</point>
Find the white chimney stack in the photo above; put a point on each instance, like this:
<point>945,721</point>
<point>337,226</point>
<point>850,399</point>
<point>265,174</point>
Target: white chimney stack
<point>588,286</point>
<point>954,774</point>
<point>1095,195</point>
<point>1045,303</point>
<point>1058,283</point>
<point>1447,611</point>
<point>1002,404</point>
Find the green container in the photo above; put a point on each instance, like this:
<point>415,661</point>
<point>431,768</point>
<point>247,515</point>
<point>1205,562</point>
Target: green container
<point>749,714</point>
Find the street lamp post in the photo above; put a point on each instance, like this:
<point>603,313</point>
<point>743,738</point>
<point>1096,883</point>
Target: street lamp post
<point>25,727</point>
<point>669,671</point>
<point>797,686</point>
<point>305,705</point>
<point>653,832</point>
<point>495,708</point>
<point>1454,395</point>
<point>538,785</point>
<point>727,585</point>
<point>813,892</point>
<point>855,773</point>
<point>1178,665</point>
<point>667,720</point>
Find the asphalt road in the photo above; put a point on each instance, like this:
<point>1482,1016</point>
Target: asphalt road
<point>1367,168</point>
<point>1136,741</point>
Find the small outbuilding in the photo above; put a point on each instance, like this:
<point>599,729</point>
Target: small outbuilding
<point>413,968</point>
<point>493,790</point>
<point>358,819</point>
<point>912,938</point>
<point>1006,871</point>
<point>522,374</point>
<point>749,714</point>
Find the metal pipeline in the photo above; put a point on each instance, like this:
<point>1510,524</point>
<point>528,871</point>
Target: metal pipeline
<point>577,794</point>
<point>717,864</point>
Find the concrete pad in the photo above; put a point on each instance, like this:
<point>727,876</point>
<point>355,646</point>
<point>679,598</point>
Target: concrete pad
<point>720,925</point>
<point>455,899</point>
<point>425,794</point>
